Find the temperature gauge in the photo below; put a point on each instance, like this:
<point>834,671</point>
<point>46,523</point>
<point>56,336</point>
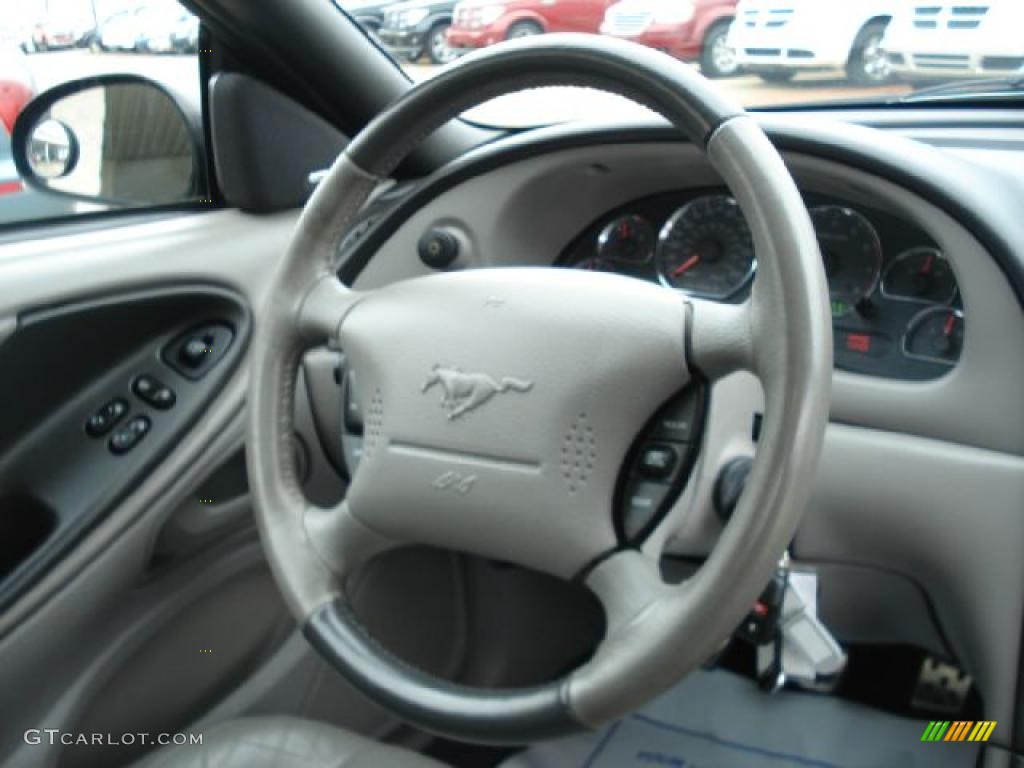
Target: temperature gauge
<point>920,274</point>
<point>935,334</point>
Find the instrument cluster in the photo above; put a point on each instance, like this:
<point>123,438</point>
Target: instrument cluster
<point>896,306</point>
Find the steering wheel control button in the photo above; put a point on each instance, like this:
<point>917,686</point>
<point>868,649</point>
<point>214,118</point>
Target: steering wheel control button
<point>153,391</point>
<point>197,351</point>
<point>438,248</point>
<point>129,435</point>
<point>730,484</point>
<point>642,504</point>
<point>658,462</point>
<point>106,417</point>
<point>353,410</point>
<point>678,421</point>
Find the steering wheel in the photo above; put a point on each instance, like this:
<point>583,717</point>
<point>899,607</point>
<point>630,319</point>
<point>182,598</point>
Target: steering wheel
<point>527,360</point>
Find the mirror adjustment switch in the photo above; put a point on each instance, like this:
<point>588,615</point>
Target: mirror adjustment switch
<point>106,417</point>
<point>129,435</point>
<point>154,392</point>
<point>196,352</point>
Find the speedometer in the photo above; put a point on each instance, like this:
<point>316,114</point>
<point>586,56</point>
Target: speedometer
<point>852,253</point>
<point>705,249</point>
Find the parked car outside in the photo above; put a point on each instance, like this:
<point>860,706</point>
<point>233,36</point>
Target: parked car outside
<point>185,37</point>
<point>369,14</point>
<point>17,86</point>
<point>479,23</point>
<point>691,30</point>
<point>776,39</point>
<point>58,31</point>
<point>122,31</point>
<point>159,24</point>
<point>953,40</point>
<point>418,28</point>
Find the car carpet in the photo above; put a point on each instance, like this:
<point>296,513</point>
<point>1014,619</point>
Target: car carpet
<point>717,719</point>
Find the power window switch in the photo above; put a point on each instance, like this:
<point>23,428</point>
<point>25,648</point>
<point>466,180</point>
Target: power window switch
<point>129,435</point>
<point>154,392</point>
<point>106,417</point>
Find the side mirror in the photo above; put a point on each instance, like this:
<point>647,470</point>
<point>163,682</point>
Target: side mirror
<point>118,140</point>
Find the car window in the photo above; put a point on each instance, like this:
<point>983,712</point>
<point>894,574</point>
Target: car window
<point>765,53</point>
<point>47,43</point>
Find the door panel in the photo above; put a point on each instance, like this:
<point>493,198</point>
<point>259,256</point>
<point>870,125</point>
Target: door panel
<point>105,388</point>
<point>109,635</point>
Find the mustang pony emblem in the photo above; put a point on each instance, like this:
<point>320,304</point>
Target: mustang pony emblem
<point>465,391</point>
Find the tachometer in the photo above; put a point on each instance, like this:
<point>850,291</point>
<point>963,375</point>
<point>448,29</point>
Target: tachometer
<point>706,249</point>
<point>920,274</point>
<point>852,253</point>
<point>627,238</point>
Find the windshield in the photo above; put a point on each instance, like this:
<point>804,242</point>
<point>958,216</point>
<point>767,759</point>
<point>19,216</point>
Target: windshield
<point>765,53</point>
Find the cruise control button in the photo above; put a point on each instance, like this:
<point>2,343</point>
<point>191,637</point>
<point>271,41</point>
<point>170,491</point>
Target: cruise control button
<point>658,461</point>
<point>678,421</point>
<point>353,411</point>
<point>129,435</point>
<point>642,502</point>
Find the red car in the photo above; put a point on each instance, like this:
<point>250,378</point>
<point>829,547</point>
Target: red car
<point>691,30</point>
<point>478,23</point>
<point>16,85</point>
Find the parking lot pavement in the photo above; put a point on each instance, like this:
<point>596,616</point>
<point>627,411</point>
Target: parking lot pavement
<point>531,108</point>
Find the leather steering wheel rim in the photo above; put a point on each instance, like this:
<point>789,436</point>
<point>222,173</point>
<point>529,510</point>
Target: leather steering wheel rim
<point>655,632</point>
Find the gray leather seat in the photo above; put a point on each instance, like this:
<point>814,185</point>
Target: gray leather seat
<point>284,742</point>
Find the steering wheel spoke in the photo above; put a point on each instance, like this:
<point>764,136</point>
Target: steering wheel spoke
<point>721,337</point>
<point>342,541</point>
<point>627,584</point>
<point>324,308</point>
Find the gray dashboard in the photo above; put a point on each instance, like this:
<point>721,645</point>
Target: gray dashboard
<point>917,507</point>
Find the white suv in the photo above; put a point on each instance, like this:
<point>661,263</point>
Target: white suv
<point>961,39</point>
<point>778,38</point>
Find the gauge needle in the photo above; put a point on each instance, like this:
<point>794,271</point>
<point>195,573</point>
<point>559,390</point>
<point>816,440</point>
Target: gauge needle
<point>927,266</point>
<point>947,329</point>
<point>690,262</point>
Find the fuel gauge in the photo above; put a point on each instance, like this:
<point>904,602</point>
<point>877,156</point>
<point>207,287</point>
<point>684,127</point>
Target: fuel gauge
<point>935,334</point>
<point>920,274</point>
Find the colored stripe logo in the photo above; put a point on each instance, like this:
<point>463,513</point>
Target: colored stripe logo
<point>958,730</point>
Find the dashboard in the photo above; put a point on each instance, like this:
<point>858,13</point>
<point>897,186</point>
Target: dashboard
<point>896,305</point>
<point>914,517</point>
